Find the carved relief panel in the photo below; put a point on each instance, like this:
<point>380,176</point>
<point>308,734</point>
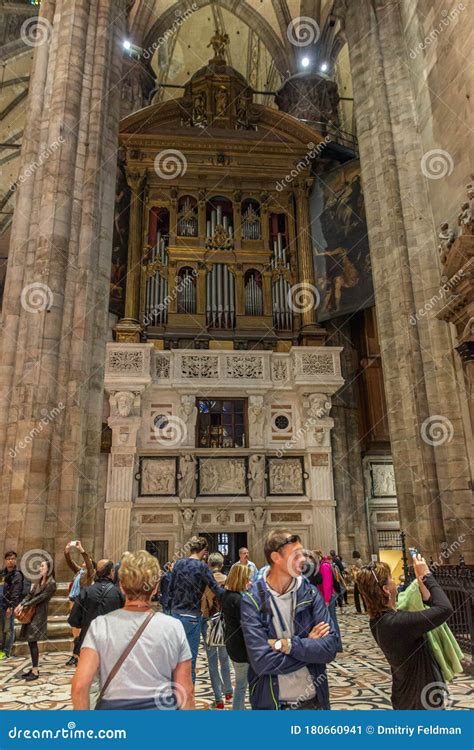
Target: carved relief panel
<point>158,476</point>
<point>222,476</point>
<point>285,476</point>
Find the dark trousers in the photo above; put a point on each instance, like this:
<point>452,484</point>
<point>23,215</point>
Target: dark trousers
<point>357,598</point>
<point>34,652</point>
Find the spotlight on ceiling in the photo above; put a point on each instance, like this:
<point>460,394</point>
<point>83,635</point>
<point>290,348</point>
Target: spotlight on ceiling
<point>324,67</point>
<point>126,44</point>
<point>305,62</point>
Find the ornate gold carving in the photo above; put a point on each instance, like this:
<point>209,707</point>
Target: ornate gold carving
<point>220,240</point>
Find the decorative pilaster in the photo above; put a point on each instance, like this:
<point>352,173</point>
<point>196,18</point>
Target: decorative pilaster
<point>124,422</point>
<point>127,375</point>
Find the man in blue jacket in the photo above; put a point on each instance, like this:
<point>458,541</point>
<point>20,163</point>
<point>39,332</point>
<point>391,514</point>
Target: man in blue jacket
<point>288,632</point>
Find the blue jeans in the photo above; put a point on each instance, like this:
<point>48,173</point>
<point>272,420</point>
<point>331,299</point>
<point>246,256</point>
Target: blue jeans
<point>192,625</point>
<point>332,612</point>
<point>241,670</point>
<point>217,656</point>
<point>7,631</point>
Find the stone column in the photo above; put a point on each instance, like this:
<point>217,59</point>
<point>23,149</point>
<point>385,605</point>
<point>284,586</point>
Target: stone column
<point>128,329</point>
<point>431,468</point>
<point>55,307</point>
<point>305,300</point>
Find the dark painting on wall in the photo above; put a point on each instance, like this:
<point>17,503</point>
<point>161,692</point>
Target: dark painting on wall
<point>340,243</point>
<point>120,244</point>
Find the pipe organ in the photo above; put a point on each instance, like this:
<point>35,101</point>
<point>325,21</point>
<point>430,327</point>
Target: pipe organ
<point>218,266</point>
<point>219,221</point>
<point>251,228</point>
<point>156,307</point>
<point>220,297</point>
<point>281,288</point>
<point>186,291</point>
<point>253,294</point>
<point>187,220</point>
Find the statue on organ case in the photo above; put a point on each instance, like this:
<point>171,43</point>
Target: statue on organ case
<point>219,43</point>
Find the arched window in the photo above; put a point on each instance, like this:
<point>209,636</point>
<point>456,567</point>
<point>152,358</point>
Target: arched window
<point>253,292</point>
<point>251,225</point>
<point>187,217</point>
<point>186,290</point>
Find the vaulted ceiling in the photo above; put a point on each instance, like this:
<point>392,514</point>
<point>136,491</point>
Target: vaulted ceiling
<point>268,38</point>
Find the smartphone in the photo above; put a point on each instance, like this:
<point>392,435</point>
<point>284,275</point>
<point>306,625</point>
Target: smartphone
<point>73,544</point>
<point>412,551</point>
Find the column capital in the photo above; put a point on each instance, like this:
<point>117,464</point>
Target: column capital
<point>135,178</point>
<point>304,185</point>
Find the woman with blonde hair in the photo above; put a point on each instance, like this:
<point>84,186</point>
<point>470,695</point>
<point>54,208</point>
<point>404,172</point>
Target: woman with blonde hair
<point>143,656</point>
<point>236,583</point>
<point>416,678</point>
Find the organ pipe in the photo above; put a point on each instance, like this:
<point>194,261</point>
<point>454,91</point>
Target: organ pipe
<point>253,296</point>
<point>282,314</point>
<point>156,295</point>
<point>220,297</point>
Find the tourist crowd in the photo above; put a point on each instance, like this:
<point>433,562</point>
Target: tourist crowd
<point>268,633</point>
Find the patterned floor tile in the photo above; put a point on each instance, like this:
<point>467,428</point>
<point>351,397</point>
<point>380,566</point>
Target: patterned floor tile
<point>358,679</point>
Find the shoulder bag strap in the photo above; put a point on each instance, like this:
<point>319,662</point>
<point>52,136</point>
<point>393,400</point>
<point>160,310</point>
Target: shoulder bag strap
<point>123,656</point>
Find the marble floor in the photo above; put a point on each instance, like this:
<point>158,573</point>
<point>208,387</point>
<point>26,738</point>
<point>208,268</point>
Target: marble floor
<point>358,679</point>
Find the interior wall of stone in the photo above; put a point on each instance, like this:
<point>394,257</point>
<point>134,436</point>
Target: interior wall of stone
<point>439,42</point>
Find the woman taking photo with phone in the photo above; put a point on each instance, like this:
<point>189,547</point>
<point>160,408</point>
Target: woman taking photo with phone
<point>402,635</point>
<point>32,612</point>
